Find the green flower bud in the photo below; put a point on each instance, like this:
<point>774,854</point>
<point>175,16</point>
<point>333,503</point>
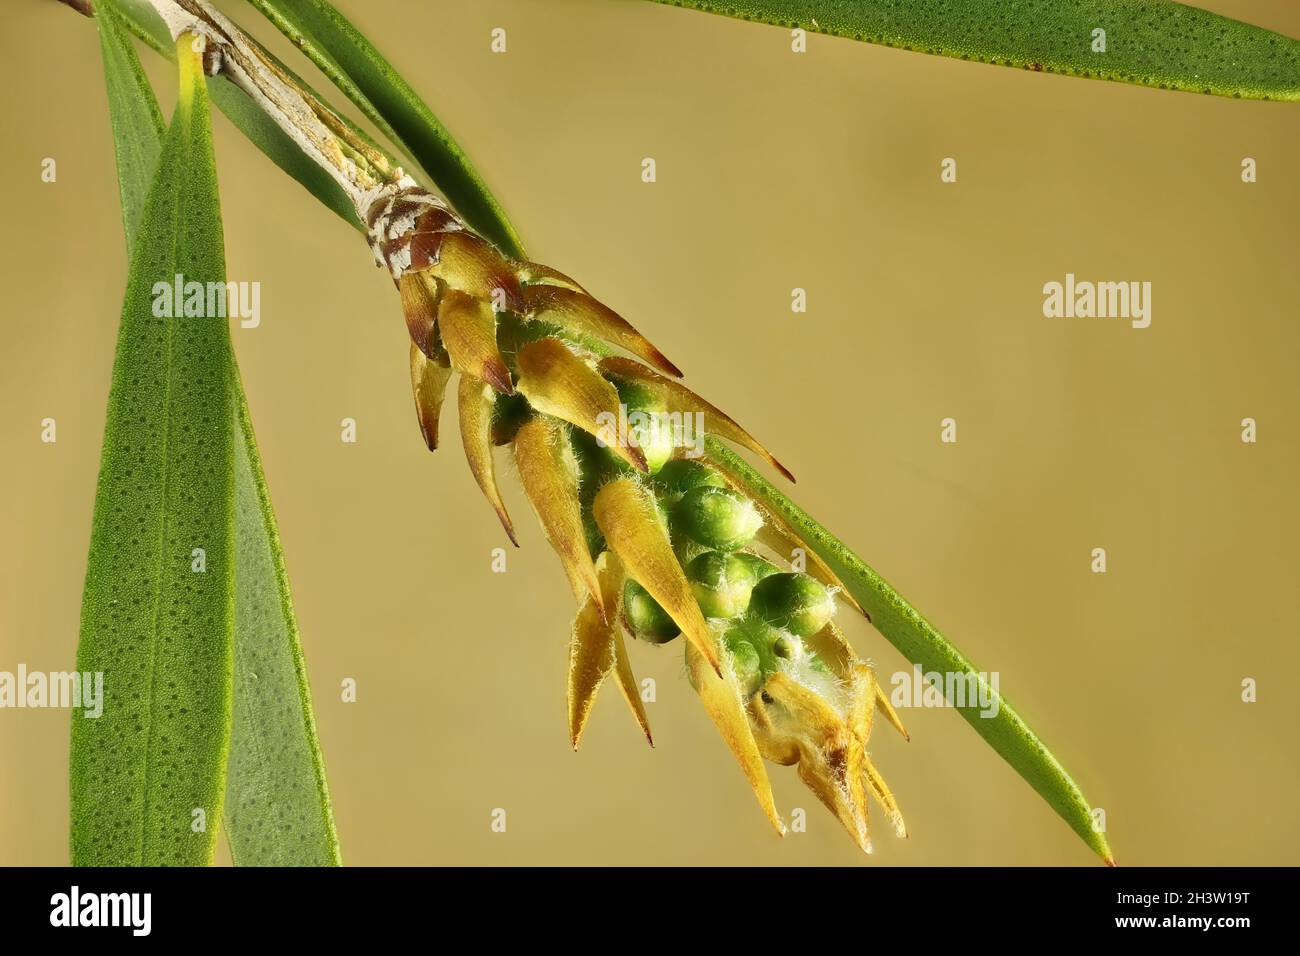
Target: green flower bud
<point>647,425</point>
<point>798,603</point>
<point>760,566</point>
<point>645,618</point>
<point>759,635</point>
<point>682,474</point>
<point>716,517</point>
<point>745,662</point>
<point>721,583</point>
<point>787,647</point>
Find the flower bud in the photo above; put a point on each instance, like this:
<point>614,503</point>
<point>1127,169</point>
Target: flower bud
<point>645,618</point>
<point>682,474</point>
<point>745,663</point>
<point>787,647</point>
<point>761,636</point>
<point>648,426</point>
<point>760,566</point>
<point>716,517</point>
<point>798,603</point>
<point>721,583</point>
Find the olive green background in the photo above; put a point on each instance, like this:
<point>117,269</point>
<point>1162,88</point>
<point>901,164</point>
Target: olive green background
<point>775,171</point>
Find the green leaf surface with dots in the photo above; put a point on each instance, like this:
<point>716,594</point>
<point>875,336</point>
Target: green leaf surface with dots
<point>148,774</point>
<point>277,809</point>
<point>1149,42</point>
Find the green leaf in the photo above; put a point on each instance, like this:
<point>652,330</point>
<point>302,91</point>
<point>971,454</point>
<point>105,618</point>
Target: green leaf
<point>139,17</point>
<point>137,121</point>
<point>277,801</point>
<point>148,775</point>
<point>920,643</point>
<point>363,75</point>
<point>1149,42</point>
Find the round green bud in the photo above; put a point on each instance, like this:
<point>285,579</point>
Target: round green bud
<point>787,647</point>
<point>759,635</point>
<point>682,474</point>
<point>716,517</point>
<point>760,566</point>
<point>798,603</point>
<point>745,662</point>
<point>645,618</point>
<point>721,583</point>
<point>647,425</point>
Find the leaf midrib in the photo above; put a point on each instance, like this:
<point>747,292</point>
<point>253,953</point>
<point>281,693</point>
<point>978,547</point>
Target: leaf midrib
<point>168,325</point>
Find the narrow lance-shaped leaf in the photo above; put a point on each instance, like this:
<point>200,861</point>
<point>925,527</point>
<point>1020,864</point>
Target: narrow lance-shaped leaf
<point>148,775</point>
<point>919,642</point>
<point>278,810</point>
<point>283,783</point>
<point>136,120</point>
<point>1148,42</point>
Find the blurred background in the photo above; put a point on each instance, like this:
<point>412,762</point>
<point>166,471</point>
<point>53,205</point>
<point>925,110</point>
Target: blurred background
<point>775,171</point>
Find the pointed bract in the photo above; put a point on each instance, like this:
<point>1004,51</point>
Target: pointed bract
<point>627,516</point>
<point>885,707</point>
<point>833,650</point>
<point>428,386</point>
<point>580,314</point>
<point>591,649</point>
<point>468,328</point>
<point>596,650</point>
<point>627,680</point>
<point>550,478</point>
<point>558,383</point>
<point>420,296</point>
<point>679,398</point>
<point>887,801</point>
<point>475,400</point>
<point>535,273</point>
<point>474,266</point>
<point>722,700</point>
